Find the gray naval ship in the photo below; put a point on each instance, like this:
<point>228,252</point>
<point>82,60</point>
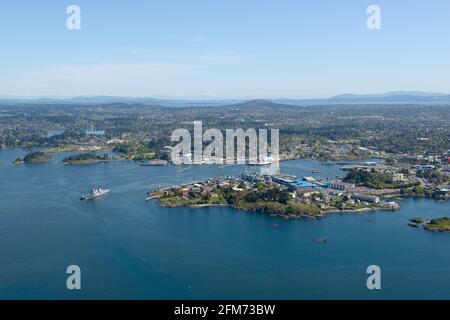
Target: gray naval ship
<point>94,193</point>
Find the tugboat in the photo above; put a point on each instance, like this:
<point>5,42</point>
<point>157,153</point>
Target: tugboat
<point>95,192</point>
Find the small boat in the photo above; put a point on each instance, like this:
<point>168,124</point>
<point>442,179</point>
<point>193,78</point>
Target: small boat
<point>94,193</point>
<point>154,163</point>
<point>184,169</point>
<point>322,240</point>
<point>260,163</point>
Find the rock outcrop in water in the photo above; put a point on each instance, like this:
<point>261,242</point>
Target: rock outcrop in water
<point>37,157</point>
<point>438,225</point>
<point>435,225</point>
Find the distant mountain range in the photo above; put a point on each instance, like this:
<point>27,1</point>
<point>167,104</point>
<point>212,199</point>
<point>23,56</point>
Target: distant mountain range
<point>395,97</point>
<point>94,100</point>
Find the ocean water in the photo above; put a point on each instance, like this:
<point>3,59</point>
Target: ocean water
<point>131,249</point>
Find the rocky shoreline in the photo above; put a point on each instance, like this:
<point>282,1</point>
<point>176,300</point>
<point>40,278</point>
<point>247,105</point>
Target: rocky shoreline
<point>435,225</point>
<point>323,214</point>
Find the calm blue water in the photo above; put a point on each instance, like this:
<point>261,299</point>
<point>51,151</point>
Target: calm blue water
<point>131,249</point>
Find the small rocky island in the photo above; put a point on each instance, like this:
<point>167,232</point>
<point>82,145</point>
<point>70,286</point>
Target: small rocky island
<point>87,158</point>
<point>34,157</point>
<point>439,225</point>
<point>435,225</point>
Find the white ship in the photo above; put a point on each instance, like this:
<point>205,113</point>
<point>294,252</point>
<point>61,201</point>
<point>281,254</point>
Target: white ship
<point>262,161</point>
<point>96,192</point>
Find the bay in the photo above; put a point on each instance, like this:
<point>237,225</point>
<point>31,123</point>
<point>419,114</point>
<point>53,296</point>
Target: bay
<point>131,249</point>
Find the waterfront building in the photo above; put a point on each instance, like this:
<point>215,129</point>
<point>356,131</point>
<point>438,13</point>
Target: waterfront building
<point>306,192</point>
<point>297,184</point>
<point>443,193</point>
<point>366,198</point>
<point>285,180</point>
<point>338,185</point>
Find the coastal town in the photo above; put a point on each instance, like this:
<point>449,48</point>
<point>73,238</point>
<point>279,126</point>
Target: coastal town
<point>367,185</point>
<point>385,152</point>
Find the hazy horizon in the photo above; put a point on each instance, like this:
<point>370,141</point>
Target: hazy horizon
<point>363,95</point>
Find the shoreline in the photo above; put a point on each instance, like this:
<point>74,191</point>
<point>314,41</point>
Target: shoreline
<point>86,162</point>
<point>323,214</point>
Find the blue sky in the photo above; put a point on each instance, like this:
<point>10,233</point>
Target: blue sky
<point>223,48</point>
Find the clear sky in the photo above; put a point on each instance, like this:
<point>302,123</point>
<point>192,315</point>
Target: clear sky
<point>223,48</point>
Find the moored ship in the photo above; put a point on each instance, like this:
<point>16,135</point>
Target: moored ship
<point>154,163</point>
<point>94,193</point>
